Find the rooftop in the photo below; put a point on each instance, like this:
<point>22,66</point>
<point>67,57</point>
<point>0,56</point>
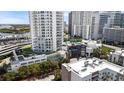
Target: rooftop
<point>84,67</point>
<point>24,59</point>
<point>119,52</point>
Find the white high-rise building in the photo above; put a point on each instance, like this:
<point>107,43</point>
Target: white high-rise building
<point>86,20</point>
<point>74,23</point>
<point>47,29</point>
<point>110,19</point>
<point>95,25</point>
<point>104,16</point>
<point>80,24</point>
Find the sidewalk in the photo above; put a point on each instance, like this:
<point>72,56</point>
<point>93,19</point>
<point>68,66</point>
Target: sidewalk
<point>49,78</point>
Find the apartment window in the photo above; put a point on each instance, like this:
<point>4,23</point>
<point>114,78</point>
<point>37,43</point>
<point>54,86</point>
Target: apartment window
<point>42,12</point>
<point>121,78</point>
<point>30,62</point>
<point>43,59</point>
<point>43,32</point>
<point>37,61</point>
<point>108,73</point>
<point>111,74</point>
<point>23,64</point>
<point>114,59</point>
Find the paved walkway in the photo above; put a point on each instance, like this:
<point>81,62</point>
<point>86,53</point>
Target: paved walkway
<point>49,78</point>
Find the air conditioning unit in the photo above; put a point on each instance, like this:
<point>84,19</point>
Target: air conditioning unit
<point>86,63</point>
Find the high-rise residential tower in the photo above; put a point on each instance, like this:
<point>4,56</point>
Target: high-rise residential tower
<point>95,25</point>
<point>80,23</point>
<point>47,29</point>
<point>109,19</point>
<point>102,22</point>
<point>74,23</point>
<point>114,19</point>
<point>86,22</point>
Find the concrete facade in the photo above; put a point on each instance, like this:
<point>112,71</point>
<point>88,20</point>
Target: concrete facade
<point>47,28</point>
<point>117,57</point>
<point>80,23</point>
<point>92,69</point>
<point>115,34</point>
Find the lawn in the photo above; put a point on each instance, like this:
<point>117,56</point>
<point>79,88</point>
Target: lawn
<point>27,50</point>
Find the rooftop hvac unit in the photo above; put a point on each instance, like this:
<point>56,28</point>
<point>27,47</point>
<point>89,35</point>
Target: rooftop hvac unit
<point>84,69</point>
<point>91,65</point>
<point>96,64</point>
<point>100,62</point>
<point>94,60</point>
<point>86,63</point>
<point>121,70</point>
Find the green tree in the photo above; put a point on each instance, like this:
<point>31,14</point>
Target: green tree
<point>96,53</point>
<point>24,72</point>
<point>102,52</point>
<point>45,67</point>
<point>53,65</point>
<point>35,69</point>
<point>48,67</point>
<point>10,76</point>
<point>57,75</point>
<point>3,68</point>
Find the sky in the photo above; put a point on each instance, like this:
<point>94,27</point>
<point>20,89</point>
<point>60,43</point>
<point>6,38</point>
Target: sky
<point>19,17</point>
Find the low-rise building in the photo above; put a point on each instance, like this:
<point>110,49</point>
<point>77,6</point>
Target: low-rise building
<point>81,49</point>
<point>77,50</point>
<point>117,57</point>
<point>91,45</point>
<point>92,69</point>
<point>19,61</point>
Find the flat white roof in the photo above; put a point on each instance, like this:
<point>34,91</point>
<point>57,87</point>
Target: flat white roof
<point>32,58</point>
<point>98,65</point>
<point>119,52</point>
<point>35,57</point>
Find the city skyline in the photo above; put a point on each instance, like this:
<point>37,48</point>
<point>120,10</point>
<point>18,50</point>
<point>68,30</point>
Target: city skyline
<point>19,17</point>
<point>89,48</point>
